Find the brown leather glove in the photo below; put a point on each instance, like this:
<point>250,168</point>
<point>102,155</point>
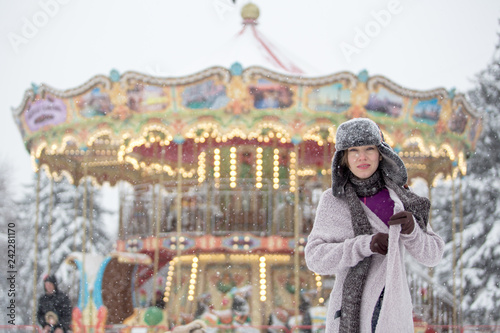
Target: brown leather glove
<point>380,243</point>
<point>405,219</point>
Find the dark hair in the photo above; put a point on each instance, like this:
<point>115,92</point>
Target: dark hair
<point>343,160</point>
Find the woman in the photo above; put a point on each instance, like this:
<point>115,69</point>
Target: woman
<point>363,225</point>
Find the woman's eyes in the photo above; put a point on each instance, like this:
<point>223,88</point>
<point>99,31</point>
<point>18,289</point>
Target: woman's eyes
<point>355,150</point>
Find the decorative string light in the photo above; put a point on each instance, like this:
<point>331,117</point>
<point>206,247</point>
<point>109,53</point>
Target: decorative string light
<point>314,134</point>
<point>276,169</point>
<point>148,132</point>
<point>68,140</point>
<point>192,281</point>
<point>302,244</point>
<point>217,167</point>
<point>446,150</point>
<point>232,167</point>
<point>201,167</point>
<point>318,282</point>
<point>293,176</point>
<point>306,172</point>
<point>462,164</point>
<point>263,279</point>
<point>170,274</point>
<point>439,176</point>
<point>187,174</point>
<point>173,244</point>
<point>258,172</point>
<point>419,142</point>
<point>202,131</point>
<point>278,258</point>
<point>213,257</point>
<point>268,130</point>
<point>388,139</point>
<point>243,257</point>
<point>417,166</point>
<point>96,137</point>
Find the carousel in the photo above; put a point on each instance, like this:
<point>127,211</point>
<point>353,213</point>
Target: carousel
<point>219,174</point>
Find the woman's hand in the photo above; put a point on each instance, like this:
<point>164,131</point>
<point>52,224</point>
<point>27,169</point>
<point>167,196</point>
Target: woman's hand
<point>380,243</point>
<point>405,219</point>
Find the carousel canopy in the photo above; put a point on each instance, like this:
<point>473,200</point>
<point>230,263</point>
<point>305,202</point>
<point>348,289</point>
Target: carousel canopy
<point>131,126</point>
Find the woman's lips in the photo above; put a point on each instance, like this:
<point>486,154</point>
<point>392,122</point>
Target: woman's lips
<point>363,166</point>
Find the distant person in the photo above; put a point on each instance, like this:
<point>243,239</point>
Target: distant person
<point>54,308</point>
<point>363,226</point>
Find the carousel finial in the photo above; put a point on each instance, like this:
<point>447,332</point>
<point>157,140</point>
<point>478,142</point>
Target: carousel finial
<point>363,76</point>
<point>250,13</point>
<point>114,75</point>
<point>34,87</point>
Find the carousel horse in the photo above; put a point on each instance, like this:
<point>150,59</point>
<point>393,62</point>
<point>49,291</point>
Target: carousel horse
<point>238,316</point>
<point>312,319</point>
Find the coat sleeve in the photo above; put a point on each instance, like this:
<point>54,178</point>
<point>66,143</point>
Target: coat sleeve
<point>425,246</point>
<point>66,312</point>
<point>331,246</point>
<point>40,314</point>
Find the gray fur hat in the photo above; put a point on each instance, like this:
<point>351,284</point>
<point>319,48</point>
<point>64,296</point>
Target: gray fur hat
<point>364,132</point>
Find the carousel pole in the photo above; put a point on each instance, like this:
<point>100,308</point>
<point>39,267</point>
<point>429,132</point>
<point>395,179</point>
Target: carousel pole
<point>179,228</point>
<point>75,214</point>
<point>461,215</point>
<point>296,233</point>
<point>153,200</point>
<point>430,270</point>
<point>84,238</point>
<point>120,212</point>
<point>274,196</point>
<point>454,249</point>
<point>84,215</point>
<point>35,255</point>
<point>326,165</point>
<point>153,212</point>
<point>91,217</point>
<point>49,230</point>
<point>209,181</point>
<point>157,229</point>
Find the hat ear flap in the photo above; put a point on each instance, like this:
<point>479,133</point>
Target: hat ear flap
<point>339,174</point>
<point>391,165</point>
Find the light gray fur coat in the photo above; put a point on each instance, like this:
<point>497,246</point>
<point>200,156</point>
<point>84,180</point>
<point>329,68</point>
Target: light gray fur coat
<point>332,249</point>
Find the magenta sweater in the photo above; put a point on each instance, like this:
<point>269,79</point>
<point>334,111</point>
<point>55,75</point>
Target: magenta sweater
<point>381,204</point>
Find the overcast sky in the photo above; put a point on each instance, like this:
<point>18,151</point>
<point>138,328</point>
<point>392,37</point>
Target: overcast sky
<point>417,44</point>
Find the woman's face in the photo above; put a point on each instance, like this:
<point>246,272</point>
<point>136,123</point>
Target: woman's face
<point>363,160</point>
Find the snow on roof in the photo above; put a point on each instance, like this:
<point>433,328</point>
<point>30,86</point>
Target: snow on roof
<point>250,47</point>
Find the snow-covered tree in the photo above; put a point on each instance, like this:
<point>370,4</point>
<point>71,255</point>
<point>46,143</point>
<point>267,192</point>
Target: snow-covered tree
<point>61,230</point>
<point>6,212</point>
<point>481,212</point>
<point>7,226</point>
